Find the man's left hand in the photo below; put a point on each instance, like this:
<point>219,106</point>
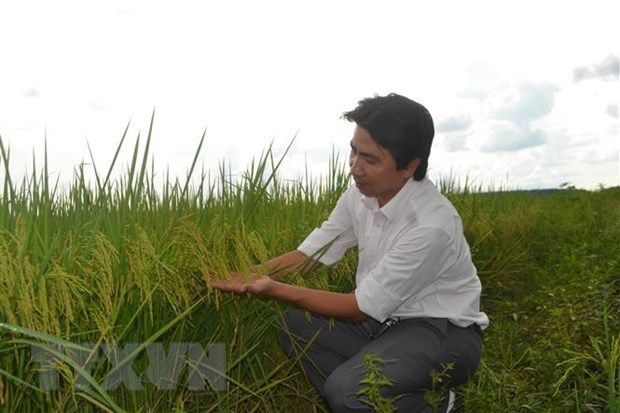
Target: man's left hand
<point>238,283</point>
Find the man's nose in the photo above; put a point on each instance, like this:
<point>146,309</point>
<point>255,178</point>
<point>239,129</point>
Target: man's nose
<point>354,165</point>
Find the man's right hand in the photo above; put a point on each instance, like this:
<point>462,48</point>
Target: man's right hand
<point>239,284</point>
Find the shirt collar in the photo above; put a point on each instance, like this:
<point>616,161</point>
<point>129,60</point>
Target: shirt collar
<point>370,203</point>
<point>390,210</point>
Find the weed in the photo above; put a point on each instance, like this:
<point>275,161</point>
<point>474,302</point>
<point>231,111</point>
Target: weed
<point>372,383</point>
<point>435,396</point>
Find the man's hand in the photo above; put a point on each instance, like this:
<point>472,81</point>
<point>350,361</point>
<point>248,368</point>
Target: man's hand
<point>252,283</point>
<point>326,303</point>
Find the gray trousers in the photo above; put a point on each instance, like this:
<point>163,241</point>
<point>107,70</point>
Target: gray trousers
<point>331,353</point>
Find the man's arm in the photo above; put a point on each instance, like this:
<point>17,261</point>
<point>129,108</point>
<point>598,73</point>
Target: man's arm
<point>288,262</point>
<point>326,303</point>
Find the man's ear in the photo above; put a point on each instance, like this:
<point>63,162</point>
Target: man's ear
<point>411,168</point>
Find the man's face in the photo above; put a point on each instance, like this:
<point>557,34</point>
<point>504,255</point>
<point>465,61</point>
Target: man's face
<point>374,170</point>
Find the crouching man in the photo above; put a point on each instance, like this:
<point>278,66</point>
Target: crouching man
<point>416,304</point>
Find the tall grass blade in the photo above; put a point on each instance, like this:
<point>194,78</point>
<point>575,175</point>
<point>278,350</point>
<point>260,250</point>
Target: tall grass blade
<point>118,149</point>
<point>191,169</point>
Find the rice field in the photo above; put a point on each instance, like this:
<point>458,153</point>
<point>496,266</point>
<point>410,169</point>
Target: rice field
<point>120,261</point>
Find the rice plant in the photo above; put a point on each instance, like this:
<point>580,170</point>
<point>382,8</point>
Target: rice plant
<point>119,262</point>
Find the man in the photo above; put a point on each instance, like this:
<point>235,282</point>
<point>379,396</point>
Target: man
<point>417,296</point>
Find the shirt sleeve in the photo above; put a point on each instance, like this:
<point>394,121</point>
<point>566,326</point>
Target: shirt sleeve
<point>328,243</point>
<point>411,265</point>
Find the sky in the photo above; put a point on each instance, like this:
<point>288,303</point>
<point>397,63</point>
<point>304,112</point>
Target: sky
<point>524,94</point>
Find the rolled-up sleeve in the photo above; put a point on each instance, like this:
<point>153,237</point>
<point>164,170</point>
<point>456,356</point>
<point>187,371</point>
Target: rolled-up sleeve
<point>412,264</point>
<point>329,243</point>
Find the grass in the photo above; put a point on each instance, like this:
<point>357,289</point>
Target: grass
<point>121,260</point>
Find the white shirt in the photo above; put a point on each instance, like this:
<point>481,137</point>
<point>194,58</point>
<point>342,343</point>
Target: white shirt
<point>413,259</point>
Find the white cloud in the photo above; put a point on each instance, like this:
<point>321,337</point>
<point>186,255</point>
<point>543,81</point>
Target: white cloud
<point>454,123</point>
<point>607,69</point>
<point>453,142</point>
<point>512,114</point>
<point>511,136</point>
<point>253,73</point>
<point>527,102</point>
<point>31,93</point>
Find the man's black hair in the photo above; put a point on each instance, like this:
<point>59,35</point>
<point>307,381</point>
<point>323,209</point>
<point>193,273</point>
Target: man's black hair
<point>404,127</point>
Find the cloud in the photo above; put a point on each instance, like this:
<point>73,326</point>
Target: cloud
<point>481,81</point>
<point>31,93</point>
<point>452,127</point>
<point>513,137</point>
<point>455,123</point>
<point>454,142</point>
<point>608,69</point>
<point>97,106</point>
<point>612,110</point>
<point>529,102</point>
<point>511,120</point>
<point>597,157</point>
